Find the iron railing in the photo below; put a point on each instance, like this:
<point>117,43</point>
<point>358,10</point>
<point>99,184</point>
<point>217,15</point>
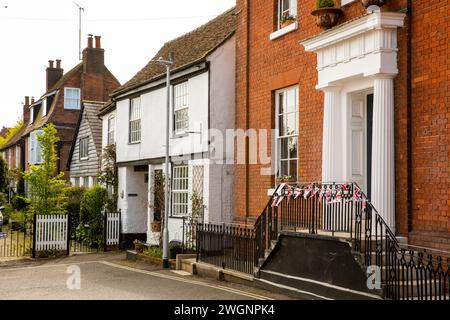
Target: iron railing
<point>227,246</point>
<point>339,210</point>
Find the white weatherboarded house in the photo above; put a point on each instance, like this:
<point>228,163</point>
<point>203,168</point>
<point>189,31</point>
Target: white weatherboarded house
<point>86,151</point>
<point>202,98</point>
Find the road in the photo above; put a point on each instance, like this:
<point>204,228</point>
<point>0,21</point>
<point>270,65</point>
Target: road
<point>111,277</point>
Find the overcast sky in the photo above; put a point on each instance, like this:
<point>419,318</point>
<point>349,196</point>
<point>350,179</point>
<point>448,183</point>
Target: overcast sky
<point>35,31</point>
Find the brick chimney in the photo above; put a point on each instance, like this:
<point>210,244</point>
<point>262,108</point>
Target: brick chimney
<point>53,73</point>
<point>26,110</point>
<point>94,58</point>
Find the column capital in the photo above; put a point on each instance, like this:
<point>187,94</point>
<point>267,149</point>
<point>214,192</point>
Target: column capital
<point>331,89</point>
<point>384,76</point>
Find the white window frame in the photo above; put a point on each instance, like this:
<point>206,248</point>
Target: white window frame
<point>31,115</point>
<point>83,147</point>
<point>111,139</point>
<point>34,148</point>
<point>294,134</point>
<point>134,127</point>
<point>291,10</point>
<point>180,191</point>
<point>17,155</point>
<point>181,108</point>
<point>68,99</point>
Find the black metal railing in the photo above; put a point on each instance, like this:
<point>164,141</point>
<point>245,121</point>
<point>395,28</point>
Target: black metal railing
<point>189,231</point>
<point>335,209</point>
<point>343,210</point>
<point>227,246</point>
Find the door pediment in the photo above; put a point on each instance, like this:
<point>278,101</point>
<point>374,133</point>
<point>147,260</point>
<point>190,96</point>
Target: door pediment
<point>363,47</point>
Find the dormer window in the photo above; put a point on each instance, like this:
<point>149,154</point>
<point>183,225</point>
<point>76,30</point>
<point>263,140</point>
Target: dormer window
<point>72,98</point>
<point>287,13</point>
<point>31,115</point>
<point>44,107</point>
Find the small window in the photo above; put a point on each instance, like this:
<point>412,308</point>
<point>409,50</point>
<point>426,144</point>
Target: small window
<point>72,98</point>
<point>181,108</point>
<point>84,148</point>
<point>85,181</point>
<point>180,196</point>
<point>287,12</point>
<point>31,115</point>
<point>111,130</point>
<point>77,182</point>
<point>135,121</point>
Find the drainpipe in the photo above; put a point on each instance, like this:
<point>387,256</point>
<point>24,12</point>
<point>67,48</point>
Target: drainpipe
<point>409,116</point>
<point>247,111</point>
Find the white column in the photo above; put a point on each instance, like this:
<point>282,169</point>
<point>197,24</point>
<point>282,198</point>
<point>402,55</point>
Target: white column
<point>383,158</point>
<point>330,116</point>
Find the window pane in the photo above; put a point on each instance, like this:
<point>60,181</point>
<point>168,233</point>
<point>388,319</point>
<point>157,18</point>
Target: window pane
<point>293,168</point>
<point>293,148</point>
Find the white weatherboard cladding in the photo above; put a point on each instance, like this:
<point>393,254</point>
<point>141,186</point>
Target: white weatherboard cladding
<point>153,111</point>
<point>105,119</point>
<point>353,60</point>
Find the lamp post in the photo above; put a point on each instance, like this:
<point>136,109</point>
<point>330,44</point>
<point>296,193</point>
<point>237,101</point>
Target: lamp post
<point>167,64</point>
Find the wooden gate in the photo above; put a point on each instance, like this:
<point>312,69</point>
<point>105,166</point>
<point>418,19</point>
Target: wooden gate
<point>51,234</point>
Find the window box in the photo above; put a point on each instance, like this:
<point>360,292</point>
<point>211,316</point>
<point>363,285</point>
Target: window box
<point>368,3</point>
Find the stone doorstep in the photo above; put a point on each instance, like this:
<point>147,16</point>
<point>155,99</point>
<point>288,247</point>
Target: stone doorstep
<point>202,269</point>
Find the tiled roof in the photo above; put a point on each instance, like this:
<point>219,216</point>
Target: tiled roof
<point>187,49</point>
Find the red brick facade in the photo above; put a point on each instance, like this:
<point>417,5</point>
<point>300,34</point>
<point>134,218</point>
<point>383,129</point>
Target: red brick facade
<point>95,81</point>
<point>422,108</point>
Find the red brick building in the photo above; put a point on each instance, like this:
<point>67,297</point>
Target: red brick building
<point>90,80</point>
<point>336,84</point>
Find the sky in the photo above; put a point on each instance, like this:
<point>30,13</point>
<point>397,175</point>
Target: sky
<point>35,31</point>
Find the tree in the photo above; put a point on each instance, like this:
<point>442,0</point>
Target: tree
<point>109,176</point>
<point>46,187</point>
<point>3,176</point>
<point>11,133</point>
<point>92,204</point>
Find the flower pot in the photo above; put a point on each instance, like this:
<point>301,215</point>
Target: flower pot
<point>327,17</point>
<point>156,226</point>
<point>368,3</point>
<point>286,23</point>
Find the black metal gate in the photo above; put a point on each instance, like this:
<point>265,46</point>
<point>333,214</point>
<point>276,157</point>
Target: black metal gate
<point>16,240</point>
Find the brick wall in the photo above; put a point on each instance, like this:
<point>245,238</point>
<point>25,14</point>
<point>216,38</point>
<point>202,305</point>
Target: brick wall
<point>276,64</point>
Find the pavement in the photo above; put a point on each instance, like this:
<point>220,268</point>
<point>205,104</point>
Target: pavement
<point>109,276</point>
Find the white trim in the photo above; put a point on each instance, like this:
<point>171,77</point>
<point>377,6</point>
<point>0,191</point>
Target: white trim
<point>279,33</point>
<point>322,284</point>
<point>376,20</point>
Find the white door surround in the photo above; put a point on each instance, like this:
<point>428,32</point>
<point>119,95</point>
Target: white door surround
<point>356,56</point>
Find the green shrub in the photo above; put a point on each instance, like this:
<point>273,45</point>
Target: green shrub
<point>19,203</point>
<point>3,199</point>
<point>324,4</point>
<point>74,196</point>
<point>91,216</point>
<point>153,252</point>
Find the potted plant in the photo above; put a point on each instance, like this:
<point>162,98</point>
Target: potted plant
<point>368,3</point>
<point>327,14</point>
<point>286,179</point>
<point>286,20</point>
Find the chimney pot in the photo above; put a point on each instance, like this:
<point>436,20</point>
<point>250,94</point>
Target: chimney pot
<point>98,42</point>
<point>58,64</point>
<point>90,41</point>
<point>50,64</point>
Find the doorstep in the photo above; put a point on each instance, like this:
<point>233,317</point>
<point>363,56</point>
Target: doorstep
<point>206,270</point>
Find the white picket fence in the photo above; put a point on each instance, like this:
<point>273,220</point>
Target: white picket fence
<point>51,232</point>
<point>112,229</point>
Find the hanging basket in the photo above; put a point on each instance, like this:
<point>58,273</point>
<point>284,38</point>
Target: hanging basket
<point>368,3</point>
<point>327,17</point>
